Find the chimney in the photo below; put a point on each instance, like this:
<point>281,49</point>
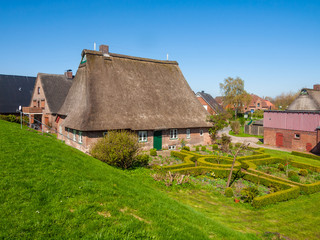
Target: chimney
<point>68,74</point>
<point>104,49</point>
<point>316,87</point>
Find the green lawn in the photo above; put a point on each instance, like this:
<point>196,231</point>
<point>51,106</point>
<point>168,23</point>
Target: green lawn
<point>50,190</point>
<point>242,134</point>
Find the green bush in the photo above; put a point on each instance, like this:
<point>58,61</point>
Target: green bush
<point>215,147</point>
<point>118,148</point>
<point>294,178</point>
<point>153,152</point>
<point>237,145</point>
<point>281,167</point>
<point>303,172</point>
<point>292,173</point>
<point>228,192</point>
<point>12,118</point>
<point>230,146</point>
<point>258,114</point>
<point>244,165</point>
<point>142,160</point>
<point>235,127</point>
<point>203,148</point>
<point>249,193</point>
<point>186,148</point>
<point>197,148</point>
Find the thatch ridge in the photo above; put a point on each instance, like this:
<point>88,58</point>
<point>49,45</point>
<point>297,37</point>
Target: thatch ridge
<point>56,88</point>
<point>309,101</point>
<point>127,93</point>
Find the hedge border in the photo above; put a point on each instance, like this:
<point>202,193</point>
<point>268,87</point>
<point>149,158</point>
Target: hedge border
<point>306,155</point>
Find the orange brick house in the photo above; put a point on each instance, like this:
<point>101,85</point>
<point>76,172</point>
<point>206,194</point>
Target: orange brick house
<point>49,93</point>
<point>209,103</point>
<point>258,103</point>
<point>151,97</point>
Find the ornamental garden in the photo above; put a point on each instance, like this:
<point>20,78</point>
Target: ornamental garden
<point>257,178</point>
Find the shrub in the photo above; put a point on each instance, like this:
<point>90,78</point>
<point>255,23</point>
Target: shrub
<point>197,148</point>
<point>12,118</point>
<point>225,140</point>
<point>244,165</point>
<point>235,127</point>
<point>249,193</point>
<point>258,113</point>
<point>307,155</point>
<point>118,148</point>
<point>294,178</point>
<point>292,173</point>
<point>203,148</point>
<point>153,152</point>
<point>228,192</point>
<point>281,167</point>
<point>303,172</point>
<point>215,147</point>
<point>186,148</point>
<point>231,146</point>
<point>142,160</point>
<point>237,145</point>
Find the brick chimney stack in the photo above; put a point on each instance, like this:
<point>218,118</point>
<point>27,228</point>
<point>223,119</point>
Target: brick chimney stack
<point>68,74</point>
<point>104,49</point>
<point>316,87</point>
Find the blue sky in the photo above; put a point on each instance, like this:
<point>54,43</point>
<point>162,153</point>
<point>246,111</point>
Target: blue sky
<point>274,46</point>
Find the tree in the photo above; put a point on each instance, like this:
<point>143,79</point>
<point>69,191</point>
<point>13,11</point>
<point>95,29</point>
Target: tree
<point>234,93</point>
<point>219,122</point>
<point>235,153</point>
<point>285,99</point>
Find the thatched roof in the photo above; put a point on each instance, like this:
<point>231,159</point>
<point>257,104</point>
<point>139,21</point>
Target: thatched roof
<point>112,91</point>
<point>15,91</point>
<point>308,99</point>
<point>56,88</point>
<point>210,101</point>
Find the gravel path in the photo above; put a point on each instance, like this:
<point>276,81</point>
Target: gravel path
<point>252,140</point>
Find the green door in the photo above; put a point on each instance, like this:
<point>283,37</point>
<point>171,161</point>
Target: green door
<point>157,140</point>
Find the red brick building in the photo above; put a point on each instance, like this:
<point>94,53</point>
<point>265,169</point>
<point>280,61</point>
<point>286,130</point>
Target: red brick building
<point>50,91</point>
<point>296,128</point>
<point>151,97</point>
<point>209,103</point>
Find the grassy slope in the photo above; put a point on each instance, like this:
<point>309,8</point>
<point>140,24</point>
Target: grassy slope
<point>50,190</point>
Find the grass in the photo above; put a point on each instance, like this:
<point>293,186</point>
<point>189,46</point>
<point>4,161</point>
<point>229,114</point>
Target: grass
<point>242,134</point>
<point>50,190</point>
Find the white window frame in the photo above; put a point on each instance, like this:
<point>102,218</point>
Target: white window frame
<point>80,137</point>
<point>188,133</point>
<point>173,134</point>
<point>143,136</point>
<point>201,132</point>
<point>297,136</point>
<point>74,135</point>
<point>68,130</point>
<point>205,107</point>
<point>60,129</point>
<point>172,147</point>
<point>38,90</point>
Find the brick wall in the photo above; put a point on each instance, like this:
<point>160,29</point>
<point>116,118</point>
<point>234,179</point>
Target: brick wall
<point>90,138</point>
<point>289,139</point>
<point>204,103</point>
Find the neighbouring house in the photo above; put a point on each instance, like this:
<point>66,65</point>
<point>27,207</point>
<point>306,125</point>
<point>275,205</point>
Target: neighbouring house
<point>219,100</point>
<point>15,91</point>
<point>209,103</point>
<point>258,103</point>
<point>298,126</point>
<point>48,96</point>
<point>150,97</point>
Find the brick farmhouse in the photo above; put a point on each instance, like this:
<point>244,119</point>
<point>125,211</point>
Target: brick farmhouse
<point>50,91</point>
<point>150,97</point>
<point>297,127</point>
<point>209,103</point>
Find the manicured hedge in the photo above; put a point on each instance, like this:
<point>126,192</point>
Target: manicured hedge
<point>287,191</point>
<point>256,156</point>
<point>306,155</point>
<point>218,172</point>
<point>204,162</point>
<point>188,161</point>
<point>279,196</point>
<point>305,188</point>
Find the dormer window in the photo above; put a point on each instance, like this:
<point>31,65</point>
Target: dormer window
<point>84,59</point>
<point>303,92</point>
<point>38,90</point>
